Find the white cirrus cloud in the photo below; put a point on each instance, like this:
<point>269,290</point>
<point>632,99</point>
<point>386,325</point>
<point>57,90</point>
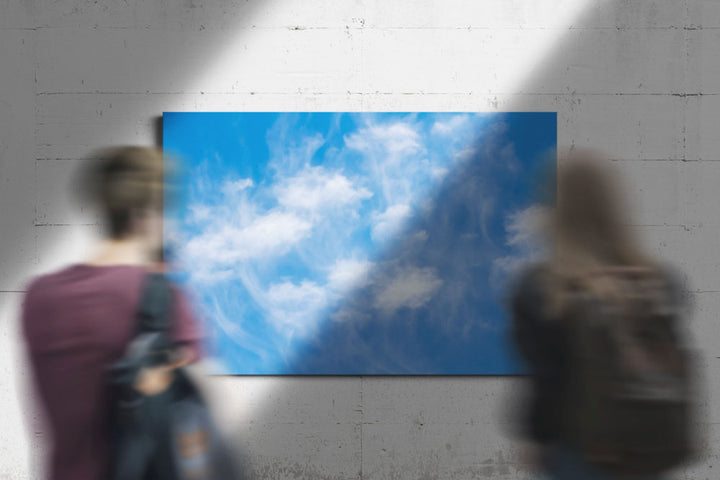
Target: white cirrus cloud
<point>268,235</point>
<point>411,287</point>
<point>199,213</point>
<point>395,138</point>
<point>288,154</point>
<point>231,187</point>
<point>450,126</point>
<point>349,273</point>
<point>525,227</point>
<point>524,232</point>
<point>439,172</point>
<point>465,155</point>
<point>316,189</point>
<point>294,309</point>
<point>209,275</point>
<point>389,222</point>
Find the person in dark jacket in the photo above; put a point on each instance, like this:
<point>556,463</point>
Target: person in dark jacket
<point>587,236</point>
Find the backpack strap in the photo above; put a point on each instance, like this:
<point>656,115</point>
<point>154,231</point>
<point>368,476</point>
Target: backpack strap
<point>154,311</point>
<point>152,343</point>
<point>154,317</point>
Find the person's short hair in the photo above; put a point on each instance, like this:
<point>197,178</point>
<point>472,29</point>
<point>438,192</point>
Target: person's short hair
<point>124,182</point>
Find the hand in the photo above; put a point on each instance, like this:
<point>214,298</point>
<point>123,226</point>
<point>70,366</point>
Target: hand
<point>154,380</point>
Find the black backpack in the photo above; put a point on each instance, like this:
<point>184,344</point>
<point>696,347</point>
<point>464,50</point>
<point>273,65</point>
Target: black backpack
<point>171,435</point>
<point>629,402</point>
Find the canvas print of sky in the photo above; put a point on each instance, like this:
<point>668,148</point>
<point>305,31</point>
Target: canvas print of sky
<point>356,243</point>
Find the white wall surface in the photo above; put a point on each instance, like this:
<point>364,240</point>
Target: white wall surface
<point>637,79</point>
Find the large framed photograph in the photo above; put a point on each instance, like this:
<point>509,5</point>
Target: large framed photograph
<point>356,243</point>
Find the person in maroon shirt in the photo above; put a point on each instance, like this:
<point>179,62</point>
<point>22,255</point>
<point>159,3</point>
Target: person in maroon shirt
<point>79,320</point>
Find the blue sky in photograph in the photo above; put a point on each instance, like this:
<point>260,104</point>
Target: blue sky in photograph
<point>356,243</point>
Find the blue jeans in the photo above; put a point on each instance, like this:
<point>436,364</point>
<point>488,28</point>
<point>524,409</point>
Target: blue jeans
<point>565,464</point>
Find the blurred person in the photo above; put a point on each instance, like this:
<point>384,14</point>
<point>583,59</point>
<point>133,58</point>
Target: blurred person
<point>78,321</point>
<point>599,326</point>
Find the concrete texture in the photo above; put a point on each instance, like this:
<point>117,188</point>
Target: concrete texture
<point>640,80</point>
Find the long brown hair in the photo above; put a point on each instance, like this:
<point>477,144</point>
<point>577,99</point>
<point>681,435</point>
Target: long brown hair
<point>589,235</point>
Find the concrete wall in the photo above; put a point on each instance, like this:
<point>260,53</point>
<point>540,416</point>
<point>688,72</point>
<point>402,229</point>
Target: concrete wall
<point>638,79</point>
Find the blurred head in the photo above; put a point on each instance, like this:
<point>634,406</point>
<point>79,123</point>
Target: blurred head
<point>590,211</point>
<point>126,184</point>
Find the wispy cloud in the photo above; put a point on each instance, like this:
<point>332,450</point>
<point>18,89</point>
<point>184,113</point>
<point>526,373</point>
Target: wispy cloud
<point>231,187</point>
<point>290,152</point>
<point>294,308</point>
<point>411,287</point>
<point>389,222</point>
<point>525,231</point>
<point>317,189</point>
<point>349,273</point>
<point>525,227</point>
<point>395,138</point>
<point>451,125</point>
<point>224,244</point>
<point>199,213</point>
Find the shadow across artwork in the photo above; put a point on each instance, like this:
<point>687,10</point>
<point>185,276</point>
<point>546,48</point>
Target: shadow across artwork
<point>358,243</point>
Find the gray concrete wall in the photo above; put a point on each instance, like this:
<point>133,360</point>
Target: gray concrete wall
<point>639,80</point>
